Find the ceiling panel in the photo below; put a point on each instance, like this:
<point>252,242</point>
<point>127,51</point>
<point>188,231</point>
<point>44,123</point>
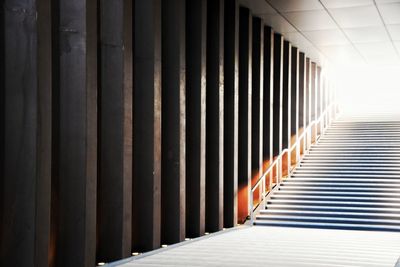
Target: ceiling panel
<point>386,1</point>
<point>278,23</point>
<point>297,39</point>
<point>326,37</point>
<point>311,20</point>
<point>394,31</point>
<point>367,34</point>
<point>379,53</point>
<point>353,17</point>
<point>346,3</point>
<point>397,44</point>
<point>258,6</point>
<point>342,54</point>
<point>295,5</point>
<point>390,13</point>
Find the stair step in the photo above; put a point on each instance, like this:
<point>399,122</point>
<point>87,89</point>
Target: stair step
<point>336,193</point>
<point>321,219</point>
<point>322,188</point>
<point>325,167</point>
<point>337,203</point>
<point>347,155</point>
<point>293,182</point>
<point>349,176</point>
<point>292,206</point>
<point>329,165</point>
<point>355,173</point>
<point>329,225</point>
<point>359,214</point>
<point>363,199</point>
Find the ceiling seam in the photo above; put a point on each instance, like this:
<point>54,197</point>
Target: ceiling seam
<point>387,30</point>
<point>298,30</point>
<point>344,33</point>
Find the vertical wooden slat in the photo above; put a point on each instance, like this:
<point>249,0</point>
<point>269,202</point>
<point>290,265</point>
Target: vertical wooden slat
<point>173,122</point>
<point>307,93</point>
<point>245,86</point>
<point>115,131</point>
<point>314,93</point>
<point>44,139</point>
<point>26,132</point>
<point>146,212</point>
<point>214,117</point>
<point>294,96</point>
<point>2,123</point>
<point>268,93</point>
<point>286,93</point>
<point>320,94</point>
<point>277,94</point>
<point>196,22</point>
<point>77,172</point>
<point>302,91</point>
<point>257,97</point>
<point>231,61</point>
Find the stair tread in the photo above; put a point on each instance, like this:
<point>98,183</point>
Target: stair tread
<point>329,225</point>
<point>309,218</point>
<point>325,213</point>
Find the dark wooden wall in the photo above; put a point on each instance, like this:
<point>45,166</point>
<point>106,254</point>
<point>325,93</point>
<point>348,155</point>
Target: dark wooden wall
<point>126,125</point>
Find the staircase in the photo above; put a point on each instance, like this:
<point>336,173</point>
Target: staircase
<point>350,179</point>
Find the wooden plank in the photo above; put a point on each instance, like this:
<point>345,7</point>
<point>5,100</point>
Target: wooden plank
<point>231,97</point>
<point>115,131</point>
<point>146,214</point>
<point>302,91</point>
<point>2,124</point>
<point>314,92</point>
<point>294,96</point>
<point>307,93</point>
<point>196,33</point>
<point>245,87</point>
<point>277,94</point>
<point>268,92</point>
<point>173,122</point>
<point>286,94</point>
<point>44,138</point>
<point>215,115</point>
<point>77,147</point>
<point>257,97</point>
<point>26,132</point>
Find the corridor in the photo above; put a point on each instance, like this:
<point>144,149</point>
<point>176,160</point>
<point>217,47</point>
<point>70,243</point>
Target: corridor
<point>199,133</point>
<point>339,207</point>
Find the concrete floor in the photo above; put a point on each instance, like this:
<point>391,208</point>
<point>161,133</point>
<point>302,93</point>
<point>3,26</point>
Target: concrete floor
<point>278,246</point>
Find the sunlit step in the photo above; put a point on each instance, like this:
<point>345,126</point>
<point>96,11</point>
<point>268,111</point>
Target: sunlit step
<point>337,189</point>
<point>336,203</point>
<point>322,219</point>
<point>317,192</point>
<point>364,167</point>
<point>363,199</point>
<point>394,210</point>
<point>328,225</point>
<point>344,213</point>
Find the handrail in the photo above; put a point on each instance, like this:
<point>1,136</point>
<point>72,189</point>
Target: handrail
<point>304,138</point>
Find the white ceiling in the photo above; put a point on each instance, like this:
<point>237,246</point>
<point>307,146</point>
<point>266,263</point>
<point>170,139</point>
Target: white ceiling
<point>341,32</point>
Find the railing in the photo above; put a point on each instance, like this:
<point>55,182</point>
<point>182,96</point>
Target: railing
<point>305,138</point>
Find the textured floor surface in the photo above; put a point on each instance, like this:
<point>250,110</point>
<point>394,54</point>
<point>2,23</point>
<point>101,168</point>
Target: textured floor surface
<point>280,246</point>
